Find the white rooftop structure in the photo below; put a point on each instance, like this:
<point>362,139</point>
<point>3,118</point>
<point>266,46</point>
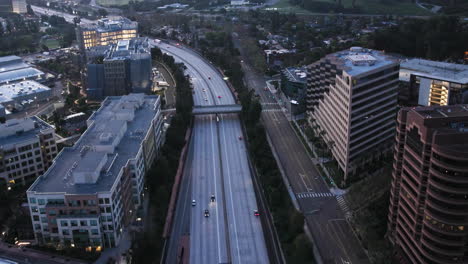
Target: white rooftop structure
<point>114,136</point>
<point>357,60</point>
<point>12,68</point>
<point>25,90</point>
<point>457,73</point>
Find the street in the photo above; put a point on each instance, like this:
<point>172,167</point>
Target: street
<point>332,234</point>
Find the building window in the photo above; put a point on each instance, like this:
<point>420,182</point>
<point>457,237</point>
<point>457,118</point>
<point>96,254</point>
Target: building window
<point>41,201</point>
<point>93,222</point>
<point>32,200</point>
<point>64,223</point>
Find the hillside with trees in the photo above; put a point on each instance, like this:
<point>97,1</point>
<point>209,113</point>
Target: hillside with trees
<point>439,38</point>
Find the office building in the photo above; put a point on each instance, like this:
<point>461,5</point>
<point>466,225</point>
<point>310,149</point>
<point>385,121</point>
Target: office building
<point>13,69</point>
<point>106,31</point>
<point>351,102</point>
<point>91,192</point>
<point>27,148</point>
<point>120,68</point>
<point>19,6</point>
<point>20,94</point>
<point>434,83</point>
<point>293,88</point>
<point>428,214</point>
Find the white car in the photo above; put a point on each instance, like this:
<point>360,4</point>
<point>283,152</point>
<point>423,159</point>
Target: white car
<point>194,203</point>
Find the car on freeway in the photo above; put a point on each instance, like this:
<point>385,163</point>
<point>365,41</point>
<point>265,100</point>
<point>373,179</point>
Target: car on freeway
<point>256,213</point>
<point>212,198</point>
<point>206,99</point>
<point>204,90</point>
<point>219,96</point>
<point>194,203</point>
<point>209,77</point>
<point>207,213</point>
<point>240,137</point>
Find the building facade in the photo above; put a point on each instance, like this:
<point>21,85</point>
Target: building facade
<point>351,103</point>
<point>428,214</point>
<point>91,192</point>
<point>120,68</point>
<point>435,83</point>
<point>106,31</point>
<point>27,149</point>
<point>19,6</point>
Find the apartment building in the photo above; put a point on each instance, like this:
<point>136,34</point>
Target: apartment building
<point>119,68</point>
<point>106,31</point>
<point>351,103</point>
<point>27,149</point>
<point>428,214</point>
<point>91,192</point>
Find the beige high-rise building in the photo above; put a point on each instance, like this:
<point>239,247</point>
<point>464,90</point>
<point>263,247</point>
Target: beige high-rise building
<point>352,102</point>
<point>19,6</point>
<point>106,31</point>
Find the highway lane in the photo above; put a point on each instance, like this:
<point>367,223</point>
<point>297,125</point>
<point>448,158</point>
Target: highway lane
<point>219,166</point>
<point>49,12</point>
<point>246,230</point>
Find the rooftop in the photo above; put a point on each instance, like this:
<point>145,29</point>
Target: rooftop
<point>111,24</point>
<point>18,130</point>
<point>296,74</point>
<point>9,92</point>
<point>442,111</point>
<point>13,68</point>
<point>357,60</point>
<point>123,49</point>
<point>437,70</point>
<point>114,136</point>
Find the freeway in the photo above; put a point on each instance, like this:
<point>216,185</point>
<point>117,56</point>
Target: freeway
<point>50,12</point>
<point>217,164</point>
<point>332,234</point>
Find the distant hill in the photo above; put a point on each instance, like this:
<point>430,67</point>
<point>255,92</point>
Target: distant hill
<point>393,7</point>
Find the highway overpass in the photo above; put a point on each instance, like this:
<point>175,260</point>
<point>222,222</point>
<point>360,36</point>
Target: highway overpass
<point>216,109</point>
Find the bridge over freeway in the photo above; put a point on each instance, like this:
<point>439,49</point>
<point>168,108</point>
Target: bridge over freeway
<point>216,109</point>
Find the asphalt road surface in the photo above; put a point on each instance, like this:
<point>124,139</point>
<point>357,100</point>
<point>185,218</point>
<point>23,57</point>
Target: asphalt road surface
<point>216,165</point>
<point>332,234</point>
<point>50,12</point>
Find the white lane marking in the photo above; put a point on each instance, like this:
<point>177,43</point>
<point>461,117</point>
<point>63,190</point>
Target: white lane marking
<point>216,191</point>
<point>230,193</point>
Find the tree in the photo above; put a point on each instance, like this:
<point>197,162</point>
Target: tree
<point>29,10</point>
<point>76,20</point>
<point>102,12</point>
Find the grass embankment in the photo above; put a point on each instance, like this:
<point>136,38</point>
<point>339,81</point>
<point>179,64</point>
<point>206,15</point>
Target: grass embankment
<point>148,245</point>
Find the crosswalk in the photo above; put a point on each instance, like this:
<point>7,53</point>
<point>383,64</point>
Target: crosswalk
<point>313,195</point>
<point>272,110</point>
<point>343,206</point>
